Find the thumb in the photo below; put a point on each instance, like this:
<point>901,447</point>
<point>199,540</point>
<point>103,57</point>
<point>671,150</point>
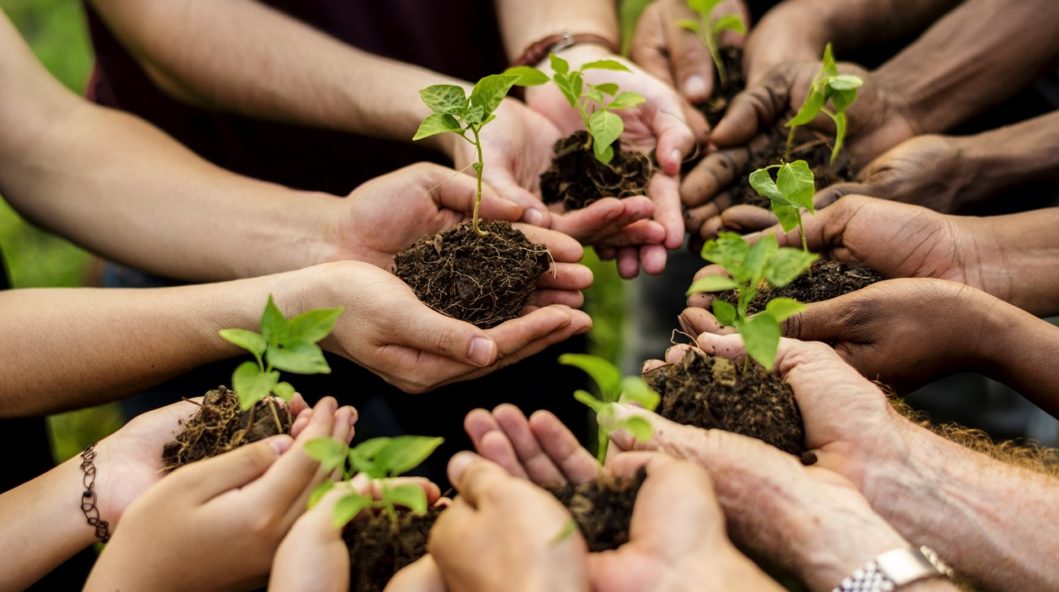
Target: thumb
<point>432,332</point>
<point>533,209</point>
<point>753,111</point>
<point>832,193</point>
<point>422,575</point>
<point>207,479</point>
<point>818,322</point>
<point>691,62</point>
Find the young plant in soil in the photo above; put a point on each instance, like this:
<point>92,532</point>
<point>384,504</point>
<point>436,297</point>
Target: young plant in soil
<point>612,389</point>
<point>227,419</point>
<point>828,86</point>
<point>590,164</point>
<point>709,29</point>
<point>789,193</point>
<point>395,534</point>
<point>482,273</point>
<point>712,392</point>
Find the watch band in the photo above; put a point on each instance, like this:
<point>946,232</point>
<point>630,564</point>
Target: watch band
<point>894,569</point>
<point>535,53</point>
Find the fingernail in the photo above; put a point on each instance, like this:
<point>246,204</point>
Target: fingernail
<point>280,444</point>
<point>481,351</point>
<point>695,87</point>
<point>675,155</point>
<point>460,461</point>
<point>534,217</point>
<point>353,416</point>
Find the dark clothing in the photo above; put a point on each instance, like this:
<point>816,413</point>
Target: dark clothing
<point>458,38</point>
<point>27,455</point>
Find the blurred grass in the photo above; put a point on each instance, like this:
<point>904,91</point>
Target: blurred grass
<point>55,30</point>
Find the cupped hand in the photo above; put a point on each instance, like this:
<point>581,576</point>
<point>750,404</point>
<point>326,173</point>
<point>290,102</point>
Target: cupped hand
<point>903,333</point>
<point>389,331</point>
<point>503,529</point>
<point>676,536</point>
<point>660,124</point>
<point>130,460</point>
<point>540,448</point>
<point>675,55</point>
<point>222,518</point>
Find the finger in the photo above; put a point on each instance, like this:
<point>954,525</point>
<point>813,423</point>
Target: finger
<point>711,228</point>
<point>691,63</point>
<point>695,321</point>
<point>650,365</point>
<point>664,191</point>
<point>603,218</point>
<point>538,466</point>
<point>606,253</point>
<point>297,405</point>
<point>504,188</point>
<point>209,478</point>
<point>427,330</point>
<point>377,487</point>
<point>745,218</point>
<point>754,110</point>
<point>641,232</point>
<point>696,218</point>
<point>563,248</point>
<point>561,445</point>
<point>566,276</point>
<point>628,262</point>
<point>296,471</point>
<point>715,172</point>
<point>300,422</point>
<point>648,45</point>
<point>456,192</point>
<point>542,298</point>
<point>675,138</point>
<point>477,479</point>
<point>422,575</point>
<point>653,259</point>
<point>833,193</point>
<point>822,321</point>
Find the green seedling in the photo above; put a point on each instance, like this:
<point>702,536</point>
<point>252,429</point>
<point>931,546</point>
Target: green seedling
<point>595,103</point>
<point>379,459</point>
<point>283,344</point>
<point>613,389</point>
<point>709,29</point>
<point>828,85</point>
<point>791,192</point>
<point>751,267</point>
<point>456,112</point>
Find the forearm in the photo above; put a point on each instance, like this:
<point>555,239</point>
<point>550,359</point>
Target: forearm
<point>43,525</point>
<point>1021,354</point>
<point>981,515</point>
<point>974,57</point>
<point>237,56</point>
<point>1009,156</point>
<point>81,347</point>
<point>524,23</point>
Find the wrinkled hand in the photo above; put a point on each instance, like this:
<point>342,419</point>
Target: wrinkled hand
<point>131,458</point>
<point>660,124</point>
<point>903,333</point>
<point>502,529</point>
<point>386,329</point>
<point>540,449</point>
<point>314,540</point>
<point>788,32</point>
<point>675,55</point>
<point>677,535</point>
<point>222,518</point>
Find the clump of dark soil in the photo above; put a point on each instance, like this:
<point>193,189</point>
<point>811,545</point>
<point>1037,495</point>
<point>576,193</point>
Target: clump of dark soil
<point>484,280</point>
<point>825,280</point>
<point>376,553</point>
<point>811,146</point>
<point>602,508</point>
<point>715,393</point>
<point>220,426</point>
<point>723,93</point>
<point>576,179</point>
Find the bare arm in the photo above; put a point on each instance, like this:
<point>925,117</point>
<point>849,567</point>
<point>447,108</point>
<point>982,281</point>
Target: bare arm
<point>237,56</point>
<point>524,23</point>
<point>974,57</point>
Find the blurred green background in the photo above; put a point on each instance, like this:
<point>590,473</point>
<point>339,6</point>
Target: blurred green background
<point>55,29</point>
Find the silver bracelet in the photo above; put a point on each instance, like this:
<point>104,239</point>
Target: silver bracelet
<point>894,569</point>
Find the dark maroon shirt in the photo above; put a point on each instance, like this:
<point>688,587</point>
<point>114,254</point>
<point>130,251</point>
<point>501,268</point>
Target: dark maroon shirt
<point>455,37</point>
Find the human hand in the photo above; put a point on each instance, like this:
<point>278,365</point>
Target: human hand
<point>677,56</point>
<point>903,333</point>
<point>223,517</point>
<point>129,461</point>
<point>540,449</point>
<point>389,331</point>
<point>315,540</point>
<point>677,534</point>
<point>659,124</point>
<point>503,529</point>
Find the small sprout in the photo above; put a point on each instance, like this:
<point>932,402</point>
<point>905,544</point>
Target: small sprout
<point>750,268</point>
<point>379,459</point>
<point>590,100</point>
<point>613,389</point>
<point>283,344</point>
<point>709,29</point>
<point>455,112</point>
<point>791,192</point>
<point>828,85</point>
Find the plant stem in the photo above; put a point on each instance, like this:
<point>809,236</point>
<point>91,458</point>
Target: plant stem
<point>604,442</point>
<point>790,144</point>
<point>801,231</point>
<point>715,52</point>
<point>478,174</point>
<point>275,415</point>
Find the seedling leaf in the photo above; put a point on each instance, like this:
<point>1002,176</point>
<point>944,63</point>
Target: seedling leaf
<point>729,22</point>
<point>527,76</point>
<point>626,100</point>
<point>634,389</point>
<point>313,325</point>
<point>761,336</point>
<point>607,88</point>
<point>689,25</point>
<point>409,496</point>
<point>559,65</point>
<point>284,391</point>
<point>251,384</point>
<point>605,374</point>
<point>845,82</point>
<point>362,456</point>
<point>248,340</point>
<point>589,400</point>
<point>437,123</point>
<point>725,313</point>
<point>404,453</point>
<point>301,358</point>
<point>330,453</point>
<point>489,92</point>
<point>796,184</point>
<point>787,215</point>
<point>638,427</point>
<point>605,127</point>
<point>319,492</point>
<point>712,283</point>
<point>448,99</point>
<point>348,507</point>
<point>605,65</point>
<point>273,323</point>
<point>782,309</point>
<point>786,265</point>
